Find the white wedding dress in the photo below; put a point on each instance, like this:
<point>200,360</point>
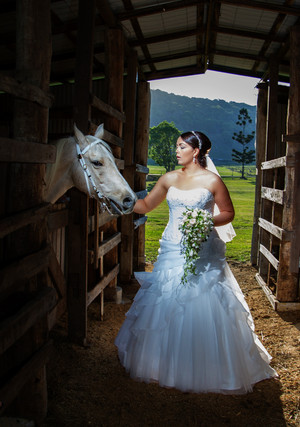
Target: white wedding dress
<point>197,337</point>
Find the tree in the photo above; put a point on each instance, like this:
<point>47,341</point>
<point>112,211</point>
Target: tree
<point>245,156</point>
<point>162,144</point>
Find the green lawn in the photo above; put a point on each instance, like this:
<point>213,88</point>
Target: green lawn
<point>242,193</point>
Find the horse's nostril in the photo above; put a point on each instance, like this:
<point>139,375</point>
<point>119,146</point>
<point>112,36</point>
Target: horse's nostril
<point>128,202</point>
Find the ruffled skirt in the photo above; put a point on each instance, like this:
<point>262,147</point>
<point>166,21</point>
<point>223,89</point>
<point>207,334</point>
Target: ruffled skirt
<point>197,337</point>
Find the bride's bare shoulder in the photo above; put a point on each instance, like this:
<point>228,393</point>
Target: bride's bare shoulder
<point>170,178</point>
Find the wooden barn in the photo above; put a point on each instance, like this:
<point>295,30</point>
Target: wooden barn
<point>90,62</point>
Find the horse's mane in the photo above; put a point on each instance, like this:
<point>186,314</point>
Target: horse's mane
<point>51,171</point>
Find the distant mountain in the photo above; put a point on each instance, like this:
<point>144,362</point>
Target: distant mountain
<point>217,119</point>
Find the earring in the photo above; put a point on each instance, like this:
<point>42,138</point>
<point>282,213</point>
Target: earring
<point>194,159</point>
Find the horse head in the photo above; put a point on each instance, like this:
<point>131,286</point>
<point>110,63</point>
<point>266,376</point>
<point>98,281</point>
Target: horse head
<point>100,177</point>
<point>87,163</point>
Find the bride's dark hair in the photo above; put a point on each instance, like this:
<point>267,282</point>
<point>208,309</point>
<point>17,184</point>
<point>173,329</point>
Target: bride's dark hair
<point>198,140</point>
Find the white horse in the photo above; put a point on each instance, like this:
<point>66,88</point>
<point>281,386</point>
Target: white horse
<point>87,163</point>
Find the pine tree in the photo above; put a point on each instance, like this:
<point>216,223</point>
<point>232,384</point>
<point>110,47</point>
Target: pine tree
<point>245,156</point>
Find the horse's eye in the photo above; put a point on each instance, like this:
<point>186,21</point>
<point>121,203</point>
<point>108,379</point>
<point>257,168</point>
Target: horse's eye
<point>97,163</point>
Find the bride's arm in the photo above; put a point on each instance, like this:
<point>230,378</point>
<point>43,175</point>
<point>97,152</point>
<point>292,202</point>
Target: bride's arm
<point>154,198</point>
<point>224,203</point>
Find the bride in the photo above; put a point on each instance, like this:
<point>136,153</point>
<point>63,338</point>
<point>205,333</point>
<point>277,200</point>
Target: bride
<point>199,336</point>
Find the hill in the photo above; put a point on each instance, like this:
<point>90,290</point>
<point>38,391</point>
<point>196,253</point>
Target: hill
<point>217,119</point>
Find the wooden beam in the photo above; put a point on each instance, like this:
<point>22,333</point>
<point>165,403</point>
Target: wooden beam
<point>126,247</point>
<point>141,157</point>
<point>288,275</point>
<point>273,31</point>
<point>30,123</point>
<point>57,276</point>
<point>275,303</point>
<point>105,218</point>
<point>141,194</point>
<point>249,34</point>
<point>77,266</point>
<point>278,163</point>
<point>275,230</point>
<point>269,256</point>
<point>162,8</point>
<point>13,387</point>
<point>273,195</point>
<point>102,284</point>
<point>55,314</point>
<point>291,138</point>
<point>278,8</point>
<point>295,247</point>
<point>106,13</point>
<point>19,271</point>
<point>166,37</point>
<point>84,64</point>
<point>58,219</point>
<point>25,90</point>
<point>139,34</point>
<point>113,139</point>
<point>19,220</point>
<point>142,169</point>
<point>108,244</point>
<point>15,326</point>
<point>165,7</point>
<point>261,124</point>
<point>107,109</point>
<point>140,221</point>
<point>12,150</point>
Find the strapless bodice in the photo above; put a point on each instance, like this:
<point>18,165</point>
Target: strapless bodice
<point>178,200</point>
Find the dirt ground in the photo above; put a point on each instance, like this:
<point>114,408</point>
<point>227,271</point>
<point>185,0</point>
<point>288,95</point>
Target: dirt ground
<point>88,386</point>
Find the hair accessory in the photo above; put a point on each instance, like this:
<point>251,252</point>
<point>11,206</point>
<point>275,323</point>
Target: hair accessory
<point>199,140</point>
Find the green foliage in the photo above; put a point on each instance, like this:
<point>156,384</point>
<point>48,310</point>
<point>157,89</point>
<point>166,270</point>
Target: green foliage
<point>242,193</point>
<point>215,118</point>
<point>162,144</point>
<point>245,156</point>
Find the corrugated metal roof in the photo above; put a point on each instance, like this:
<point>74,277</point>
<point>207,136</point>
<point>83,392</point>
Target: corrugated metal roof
<point>172,38</point>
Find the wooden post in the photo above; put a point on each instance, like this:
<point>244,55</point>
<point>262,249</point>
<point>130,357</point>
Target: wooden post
<point>141,156</point>
<point>267,207</point>
<point>126,256</point>
<point>33,64</point>
<point>77,267</point>
<point>84,64</point>
<point>287,281</point>
<point>78,220</point>
<point>114,75</point>
<point>261,127</point>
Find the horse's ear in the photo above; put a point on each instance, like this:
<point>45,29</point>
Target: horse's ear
<point>100,131</point>
<point>80,137</point>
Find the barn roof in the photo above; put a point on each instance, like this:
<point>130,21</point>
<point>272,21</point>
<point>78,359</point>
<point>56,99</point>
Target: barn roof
<point>171,37</point>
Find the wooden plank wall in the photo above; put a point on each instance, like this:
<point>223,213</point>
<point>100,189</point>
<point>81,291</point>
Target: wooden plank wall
<point>108,246</point>
<point>276,248</point>
<point>25,295</point>
<point>34,271</point>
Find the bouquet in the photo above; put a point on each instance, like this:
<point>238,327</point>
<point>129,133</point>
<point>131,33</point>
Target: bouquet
<point>195,226</point>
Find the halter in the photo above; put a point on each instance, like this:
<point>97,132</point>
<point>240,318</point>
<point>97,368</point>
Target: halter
<point>104,201</point>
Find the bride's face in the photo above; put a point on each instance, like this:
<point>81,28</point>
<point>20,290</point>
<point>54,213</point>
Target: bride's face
<point>184,152</point>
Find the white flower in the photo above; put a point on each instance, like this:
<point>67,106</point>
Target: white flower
<point>195,226</point>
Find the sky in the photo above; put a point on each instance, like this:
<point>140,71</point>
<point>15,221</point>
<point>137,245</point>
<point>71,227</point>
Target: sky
<point>212,85</point>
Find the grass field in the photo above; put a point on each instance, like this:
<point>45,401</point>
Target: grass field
<point>242,193</point>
